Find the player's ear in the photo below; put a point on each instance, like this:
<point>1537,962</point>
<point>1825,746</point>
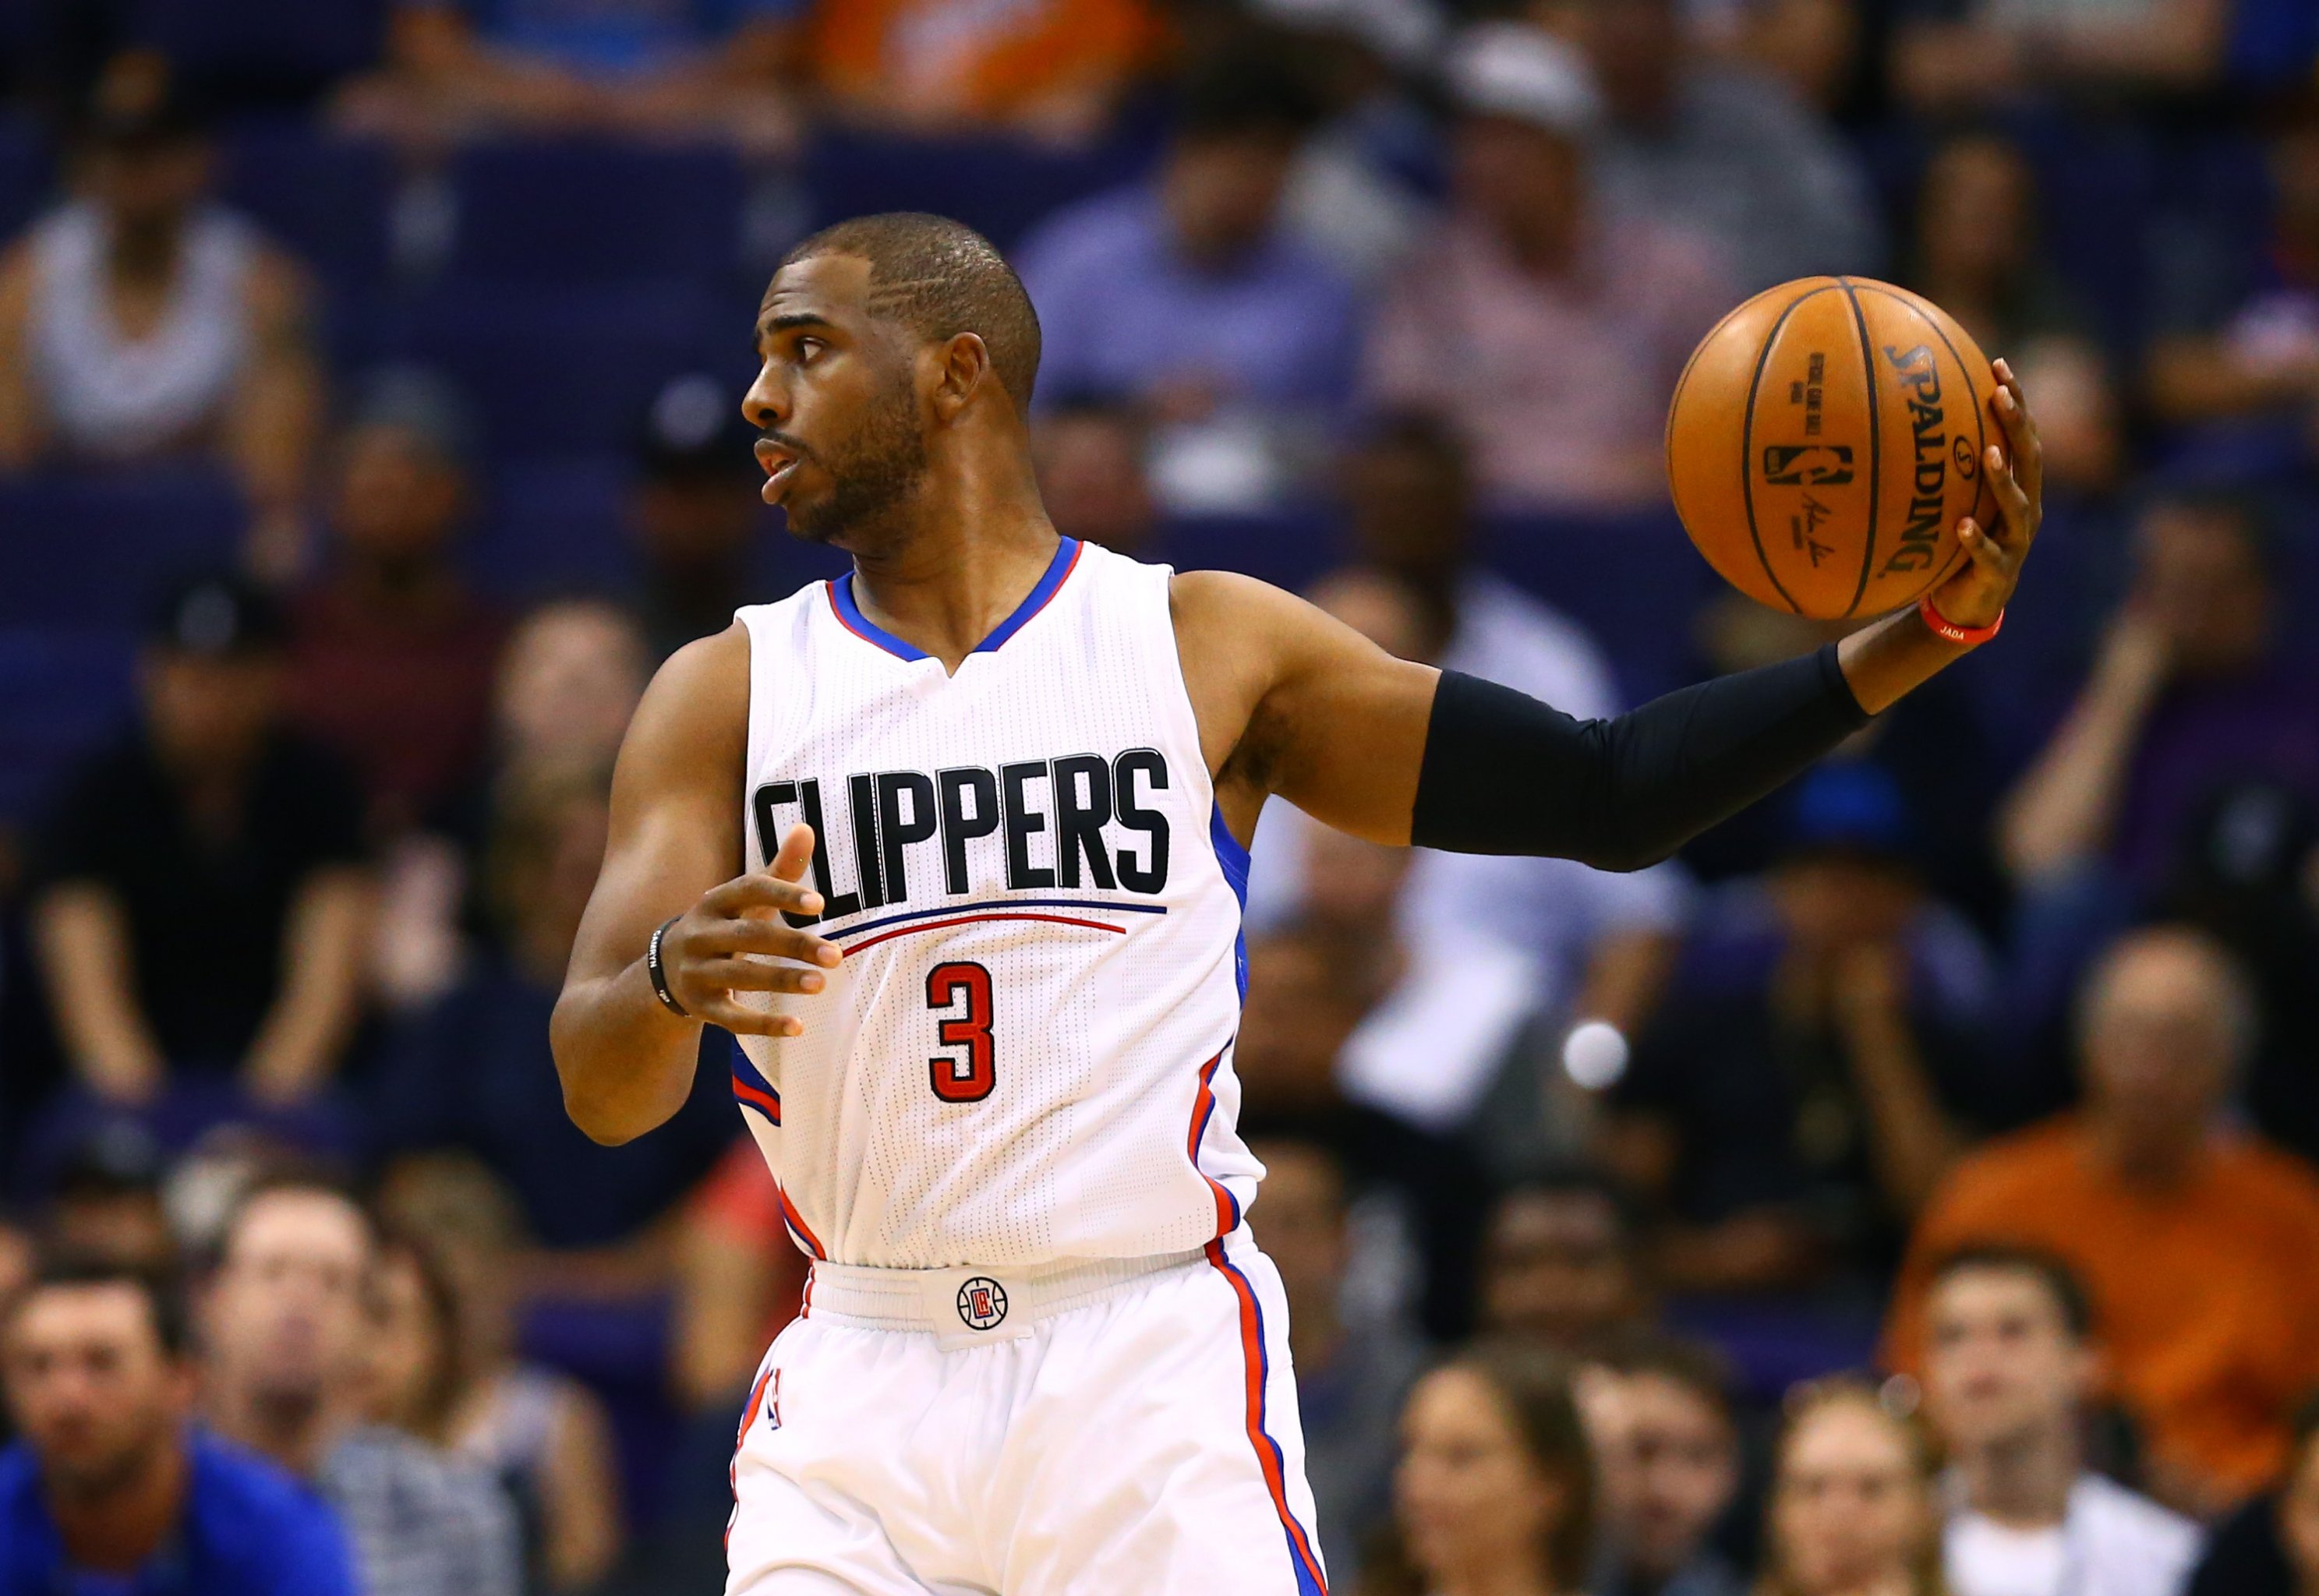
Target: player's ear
<point>964,367</point>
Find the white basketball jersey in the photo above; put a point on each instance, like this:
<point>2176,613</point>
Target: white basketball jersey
<point>1026,1054</point>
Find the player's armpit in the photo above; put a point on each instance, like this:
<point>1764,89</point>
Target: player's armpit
<point>1291,700</point>
<point>626,1063</point>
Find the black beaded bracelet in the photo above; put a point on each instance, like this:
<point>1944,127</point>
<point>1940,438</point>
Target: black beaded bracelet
<point>659,975</point>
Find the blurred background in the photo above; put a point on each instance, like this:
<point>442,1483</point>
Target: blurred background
<point>1915,1173</point>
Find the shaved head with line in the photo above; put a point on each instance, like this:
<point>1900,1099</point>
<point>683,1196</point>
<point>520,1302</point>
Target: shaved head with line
<point>939,279</point>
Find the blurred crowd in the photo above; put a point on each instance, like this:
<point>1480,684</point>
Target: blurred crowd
<point>1909,1190</point>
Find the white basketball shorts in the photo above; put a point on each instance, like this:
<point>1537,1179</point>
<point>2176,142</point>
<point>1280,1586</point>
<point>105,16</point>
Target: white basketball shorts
<point>1115,1428</point>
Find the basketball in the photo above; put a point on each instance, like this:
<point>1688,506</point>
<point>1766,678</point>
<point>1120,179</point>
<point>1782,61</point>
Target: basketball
<point>1824,441</point>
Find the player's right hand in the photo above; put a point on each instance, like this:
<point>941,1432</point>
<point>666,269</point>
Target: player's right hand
<point>702,954</point>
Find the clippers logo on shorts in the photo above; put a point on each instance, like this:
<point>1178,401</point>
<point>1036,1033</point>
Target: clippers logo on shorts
<point>982,1304</point>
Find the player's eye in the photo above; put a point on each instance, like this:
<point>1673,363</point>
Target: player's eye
<point>807,349</point>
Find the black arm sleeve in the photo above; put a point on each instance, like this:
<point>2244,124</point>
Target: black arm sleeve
<point>1503,773</point>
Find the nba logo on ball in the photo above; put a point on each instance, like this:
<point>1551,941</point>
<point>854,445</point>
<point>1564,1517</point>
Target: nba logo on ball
<point>981,1302</point>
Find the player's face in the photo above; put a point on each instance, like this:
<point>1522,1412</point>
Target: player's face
<point>2001,1361</point>
<point>89,1384</point>
<point>837,399</point>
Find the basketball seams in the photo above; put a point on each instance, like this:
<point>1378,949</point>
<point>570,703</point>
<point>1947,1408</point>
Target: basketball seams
<point>1980,407</point>
<point>1747,439</point>
<point>1875,446</point>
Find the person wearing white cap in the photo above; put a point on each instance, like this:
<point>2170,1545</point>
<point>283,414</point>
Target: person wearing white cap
<point>1546,325</point>
<point>1720,148</point>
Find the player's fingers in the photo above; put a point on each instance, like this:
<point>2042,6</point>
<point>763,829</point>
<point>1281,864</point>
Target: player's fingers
<point>743,1021</point>
<point>1985,551</point>
<point>755,975</point>
<point>770,936</point>
<point>2020,429</point>
<point>789,862</point>
<point>761,891</point>
<point>2016,509</point>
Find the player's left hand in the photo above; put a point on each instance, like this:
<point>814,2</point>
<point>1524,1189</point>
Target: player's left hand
<point>1977,595</point>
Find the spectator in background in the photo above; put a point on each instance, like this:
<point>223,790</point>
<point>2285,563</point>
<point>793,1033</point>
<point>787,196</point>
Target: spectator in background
<point>1853,1498</point>
<point>1495,1491</point>
<point>1189,294</point>
<point>1599,940</point>
<point>111,1488</point>
<point>391,656</point>
<point>1951,56</point>
<point>1545,321</point>
<point>1333,1011</point>
<point>2010,1365</point>
<point>458,69</point>
<point>1723,151</point>
<point>1360,187</point>
<point>286,1325</point>
<point>2176,1226</point>
<point>447,1370</point>
<point>2270,1547</point>
<point>1659,1413</point>
<point>740,1279</point>
<point>1812,1068</point>
<point>568,680</point>
<point>1973,247</point>
<point>1562,1265</point>
<point>474,1072</point>
<point>199,897</point>
<point>2194,689</point>
<point>143,322</point>
<point>1089,452</point>
<point>1352,1372</point>
<point>2247,873</point>
<point>694,512</point>
<point>105,1204</point>
<point>2239,333</point>
<point>1051,68</point>
<point>739,1282</point>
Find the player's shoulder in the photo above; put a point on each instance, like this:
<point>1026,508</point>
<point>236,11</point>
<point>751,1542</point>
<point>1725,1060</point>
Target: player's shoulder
<point>698,701</point>
<point>1227,602</point>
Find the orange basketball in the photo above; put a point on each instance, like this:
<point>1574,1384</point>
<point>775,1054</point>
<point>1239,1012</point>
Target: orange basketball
<point>1824,442</point>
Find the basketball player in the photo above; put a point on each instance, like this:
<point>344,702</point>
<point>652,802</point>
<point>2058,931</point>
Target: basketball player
<point>955,844</point>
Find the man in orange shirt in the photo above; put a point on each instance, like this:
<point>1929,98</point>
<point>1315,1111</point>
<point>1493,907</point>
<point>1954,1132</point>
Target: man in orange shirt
<point>2200,1247</point>
<point>1051,66</point>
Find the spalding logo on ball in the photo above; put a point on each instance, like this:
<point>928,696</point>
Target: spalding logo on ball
<point>1824,441</point>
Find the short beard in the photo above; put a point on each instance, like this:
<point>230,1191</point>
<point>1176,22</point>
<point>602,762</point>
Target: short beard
<point>877,475</point>
<point>110,1475</point>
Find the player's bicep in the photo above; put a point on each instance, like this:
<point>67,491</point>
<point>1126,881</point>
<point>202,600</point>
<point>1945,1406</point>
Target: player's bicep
<point>1315,711</point>
<point>1351,722</point>
<point>675,821</point>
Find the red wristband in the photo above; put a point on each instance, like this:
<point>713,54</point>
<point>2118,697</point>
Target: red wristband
<point>1948,631</point>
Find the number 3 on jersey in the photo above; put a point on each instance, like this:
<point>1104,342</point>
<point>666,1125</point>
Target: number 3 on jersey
<point>967,1080</point>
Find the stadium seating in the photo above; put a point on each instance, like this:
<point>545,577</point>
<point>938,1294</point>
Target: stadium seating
<point>61,691</point>
<point>574,213</point>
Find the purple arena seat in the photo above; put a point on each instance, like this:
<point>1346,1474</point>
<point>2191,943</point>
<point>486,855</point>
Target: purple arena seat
<point>61,693</point>
<point>573,213</point>
<point>91,551</point>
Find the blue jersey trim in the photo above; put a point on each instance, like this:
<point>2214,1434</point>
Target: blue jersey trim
<point>1233,860</point>
<point>1067,555</point>
<point>848,613</point>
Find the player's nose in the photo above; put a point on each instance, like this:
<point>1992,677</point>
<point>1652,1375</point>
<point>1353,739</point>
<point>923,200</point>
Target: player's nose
<point>765,405</point>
